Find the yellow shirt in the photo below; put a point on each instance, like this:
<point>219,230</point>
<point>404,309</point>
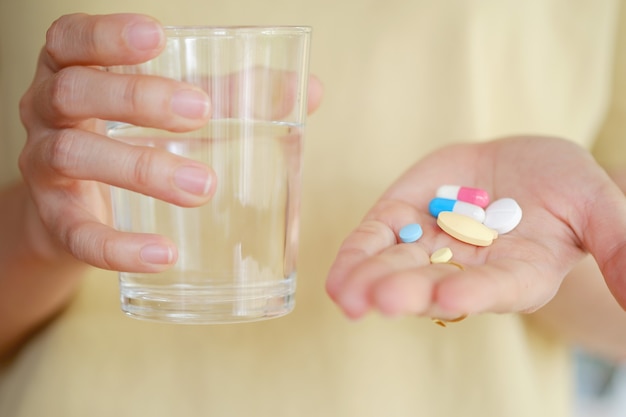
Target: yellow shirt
<point>401,79</point>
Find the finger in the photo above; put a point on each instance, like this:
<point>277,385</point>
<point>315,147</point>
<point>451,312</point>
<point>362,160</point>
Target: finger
<point>377,232</point>
<point>101,246</point>
<point>411,292</point>
<point>500,286</point>
<point>356,293</point>
<point>78,93</point>
<point>81,39</point>
<point>446,292</point>
<point>355,297</point>
<point>369,238</point>
<point>83,155</point>
<point>315,94</point>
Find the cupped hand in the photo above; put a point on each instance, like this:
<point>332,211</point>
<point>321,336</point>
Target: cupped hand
<point>68,162</point>
<point>570,207</point>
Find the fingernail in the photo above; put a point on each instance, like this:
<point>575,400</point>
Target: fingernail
<point>157,254</point>
<point>145,36</point>
<point>191,104</point>
<point>193,179</point>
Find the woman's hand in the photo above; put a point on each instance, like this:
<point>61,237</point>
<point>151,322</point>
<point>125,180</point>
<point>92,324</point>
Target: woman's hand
<point>68,162</point>
<point>570,207</point>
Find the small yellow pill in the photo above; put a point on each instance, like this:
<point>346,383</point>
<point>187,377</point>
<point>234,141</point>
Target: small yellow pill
<point>441,256</point>
<point>466,229</point>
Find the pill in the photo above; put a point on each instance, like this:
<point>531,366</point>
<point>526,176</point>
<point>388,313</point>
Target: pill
<point>503,215</point>
<point>441,256</point>
<point>437,205</point>
<point>410,233</point>
<point>466,229</point>
<point>469,195</point>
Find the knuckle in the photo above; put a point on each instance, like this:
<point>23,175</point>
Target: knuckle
<point>141,163</point>
<point>107,253</point>
<point>25,109</point>
<point>375,230</point>
<point>58,32</point>
<point>54,35</point>
<point>62,90</point>
<point>23,162</point>
<point>98,252</point>
<point>132,94</point>
<point>367,238</point>
<point>148,98</point>
<point>72,237</point>
<point>28,160</point>
<point>97,41</point>
<point>61,152</point>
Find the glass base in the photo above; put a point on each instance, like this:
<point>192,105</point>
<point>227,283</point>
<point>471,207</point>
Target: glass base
<point>201,305</point>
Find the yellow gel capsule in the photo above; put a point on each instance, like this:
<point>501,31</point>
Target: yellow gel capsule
<point>441,256</point>
<point>466,229</point>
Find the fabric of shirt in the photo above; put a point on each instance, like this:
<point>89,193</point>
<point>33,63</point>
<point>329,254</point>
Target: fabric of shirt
<point>401,78</point>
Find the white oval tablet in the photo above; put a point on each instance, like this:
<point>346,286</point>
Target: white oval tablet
<point>503,215</point>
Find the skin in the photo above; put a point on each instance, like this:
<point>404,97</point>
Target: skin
<point>584,310</point>
<point>57,221</point>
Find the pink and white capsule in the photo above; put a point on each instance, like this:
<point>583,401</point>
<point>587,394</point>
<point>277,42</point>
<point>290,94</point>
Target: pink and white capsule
<point>470,195</point>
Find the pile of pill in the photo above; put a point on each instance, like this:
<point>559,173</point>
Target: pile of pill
<point>466,214</point>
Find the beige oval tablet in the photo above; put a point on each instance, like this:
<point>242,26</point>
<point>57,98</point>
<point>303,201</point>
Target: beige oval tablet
<point>466,229</point>
<point>441,256</point>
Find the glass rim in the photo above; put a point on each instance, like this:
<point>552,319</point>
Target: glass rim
<point>226,30</point>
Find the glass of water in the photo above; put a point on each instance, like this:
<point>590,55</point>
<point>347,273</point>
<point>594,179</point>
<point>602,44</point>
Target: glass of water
<point>237,253</point>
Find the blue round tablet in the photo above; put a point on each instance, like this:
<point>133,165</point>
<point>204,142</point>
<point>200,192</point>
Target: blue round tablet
<point>410,233</point>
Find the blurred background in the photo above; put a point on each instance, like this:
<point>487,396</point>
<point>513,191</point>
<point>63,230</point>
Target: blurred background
<point>601,387</point>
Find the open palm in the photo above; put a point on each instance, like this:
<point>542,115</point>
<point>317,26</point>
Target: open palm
<point>570,206</point>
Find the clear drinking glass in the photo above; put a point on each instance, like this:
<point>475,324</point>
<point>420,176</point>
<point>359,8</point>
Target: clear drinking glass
<point>237,253</point>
